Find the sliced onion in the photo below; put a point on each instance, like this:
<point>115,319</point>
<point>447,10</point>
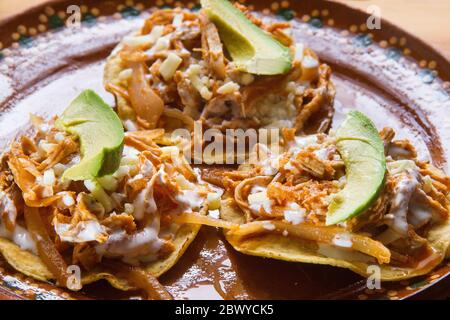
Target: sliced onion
<point>320,234</point>
<point>195,218</point>
<point>146,102</point>
<point>45,246</point>
<point>140,279</point>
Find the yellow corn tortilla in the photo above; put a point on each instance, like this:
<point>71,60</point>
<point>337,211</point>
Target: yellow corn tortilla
<point>31,265</point>
<point>291,249</point>
<point>114,65</point>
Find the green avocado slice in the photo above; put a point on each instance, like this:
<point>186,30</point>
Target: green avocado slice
<point>252,49</point>
<point>101,136</point>
<point>362,150</point>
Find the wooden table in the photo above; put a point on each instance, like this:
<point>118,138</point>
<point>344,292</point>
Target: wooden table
<point>427,19</point>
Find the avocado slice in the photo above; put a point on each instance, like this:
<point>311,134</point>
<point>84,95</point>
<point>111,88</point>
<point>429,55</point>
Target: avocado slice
<point>362,150</point>
<point>252,49</point>
<point>100,133</point>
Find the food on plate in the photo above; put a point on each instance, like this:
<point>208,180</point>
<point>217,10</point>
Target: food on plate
<point>328,199</point>
<point>79,192</point>
<point>100,133</point>
<point>224,66</point>
<point>251,49</point>
<point>362,151</point>
<point>100,193</point>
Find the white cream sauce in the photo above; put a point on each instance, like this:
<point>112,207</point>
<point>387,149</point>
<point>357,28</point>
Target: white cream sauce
<point>403,192</point>
<point>294,214</point>
<point>83,231</point>
<point>190,199</point>
<point>20,236</point>
<point>258,201</point>
<point>141,244</point>
<point>7,205</point>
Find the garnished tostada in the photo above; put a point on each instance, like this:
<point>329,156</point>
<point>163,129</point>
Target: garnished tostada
<point>352,199</point>
<point>223,66</point>
<point>80,192</point>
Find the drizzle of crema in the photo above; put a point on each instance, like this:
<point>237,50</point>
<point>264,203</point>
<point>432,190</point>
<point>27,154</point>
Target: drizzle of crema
<point>20,236</point>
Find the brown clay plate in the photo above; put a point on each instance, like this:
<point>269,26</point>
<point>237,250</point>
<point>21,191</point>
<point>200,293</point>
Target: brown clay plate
<point>389,74</point>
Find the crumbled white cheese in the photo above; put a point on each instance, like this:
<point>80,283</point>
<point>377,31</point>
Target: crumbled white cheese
<point>214,214</point>
<point>121,172</point>
<point>130,125</point>
<point>68,200</point>
<point>177,20</point>
<point>128,208</point>
<point>161,44</point>
<point>268,225</point>
<point>49,177</point>
<point>299,49</point>
<point>342,182</point>
<point>227,88</point>
<point>213,200</point>
<point>342,240</point>
<point>145,40</point>
<point>44,128</point>
<point>59,169</point>
<point>59,136</point>
<point>169,66</point>
<point>45,146</point>
<point>294,214</point>
<point>206,93</point>
<point>260,200</point>
<point>309,62</point>
<point>193,74</point>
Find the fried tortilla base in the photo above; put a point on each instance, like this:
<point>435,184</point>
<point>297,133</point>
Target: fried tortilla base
<point>31,265</point>
<point>291,249</point>
<point>114,65</point>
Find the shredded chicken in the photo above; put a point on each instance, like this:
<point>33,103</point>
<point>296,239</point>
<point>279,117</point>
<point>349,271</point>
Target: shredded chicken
<point>207,86</point>
<point>293,197</point>
<point>131,215</point>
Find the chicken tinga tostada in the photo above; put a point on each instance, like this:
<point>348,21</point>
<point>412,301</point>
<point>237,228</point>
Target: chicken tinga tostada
<point>351,199</point>
<point>81,192</point>
<point>223,66</point>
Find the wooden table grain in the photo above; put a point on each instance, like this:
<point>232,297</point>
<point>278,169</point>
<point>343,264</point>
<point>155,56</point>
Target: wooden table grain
<point>428,19</point>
